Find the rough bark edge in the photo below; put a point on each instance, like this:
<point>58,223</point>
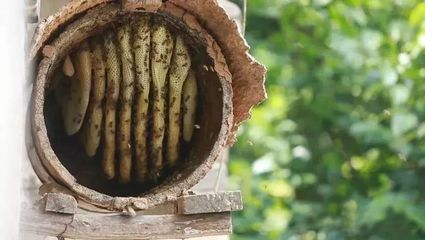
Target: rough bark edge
<point>45,152</point>
<point>248,74</point>
<point>76,32</point>
<point>146,5</point>
<point>49,26</point>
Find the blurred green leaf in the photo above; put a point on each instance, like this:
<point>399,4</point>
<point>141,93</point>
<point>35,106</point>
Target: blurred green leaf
<point>418,14</point>
<point>402,122</point>
<point>338,149</point>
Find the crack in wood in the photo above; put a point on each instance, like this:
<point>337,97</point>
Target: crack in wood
<point>103,226</point>
<point>60,235</point>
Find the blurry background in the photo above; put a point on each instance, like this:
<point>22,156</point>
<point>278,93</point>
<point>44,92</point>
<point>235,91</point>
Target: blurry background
<point>338,149</point>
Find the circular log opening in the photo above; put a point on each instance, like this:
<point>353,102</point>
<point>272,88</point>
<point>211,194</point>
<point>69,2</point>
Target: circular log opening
<point>65,156</point>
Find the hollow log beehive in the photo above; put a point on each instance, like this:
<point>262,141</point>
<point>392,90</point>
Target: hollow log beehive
<point>134,101</point>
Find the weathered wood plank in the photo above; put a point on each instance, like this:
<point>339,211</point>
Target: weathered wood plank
<point>113,227</point>
<point>60,203</point>
<point>210,203</point>
<point>193,203</point>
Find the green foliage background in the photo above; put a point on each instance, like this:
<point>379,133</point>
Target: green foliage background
<point>338,149</point>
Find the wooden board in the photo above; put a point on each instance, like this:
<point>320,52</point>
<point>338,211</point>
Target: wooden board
<point>210,202</point>
<point>60,203</point>
<point>190,203</point>
<point>114,227</point>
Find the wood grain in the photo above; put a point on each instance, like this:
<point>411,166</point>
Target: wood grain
<point>60,203</point>
<point>109,226</point>
<point>210,202</point>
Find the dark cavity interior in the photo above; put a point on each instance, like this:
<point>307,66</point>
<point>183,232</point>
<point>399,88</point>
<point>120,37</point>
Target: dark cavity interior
<point>88,172</point>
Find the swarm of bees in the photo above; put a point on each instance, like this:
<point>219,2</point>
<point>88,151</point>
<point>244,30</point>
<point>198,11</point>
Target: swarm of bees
<point>134,92</point>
